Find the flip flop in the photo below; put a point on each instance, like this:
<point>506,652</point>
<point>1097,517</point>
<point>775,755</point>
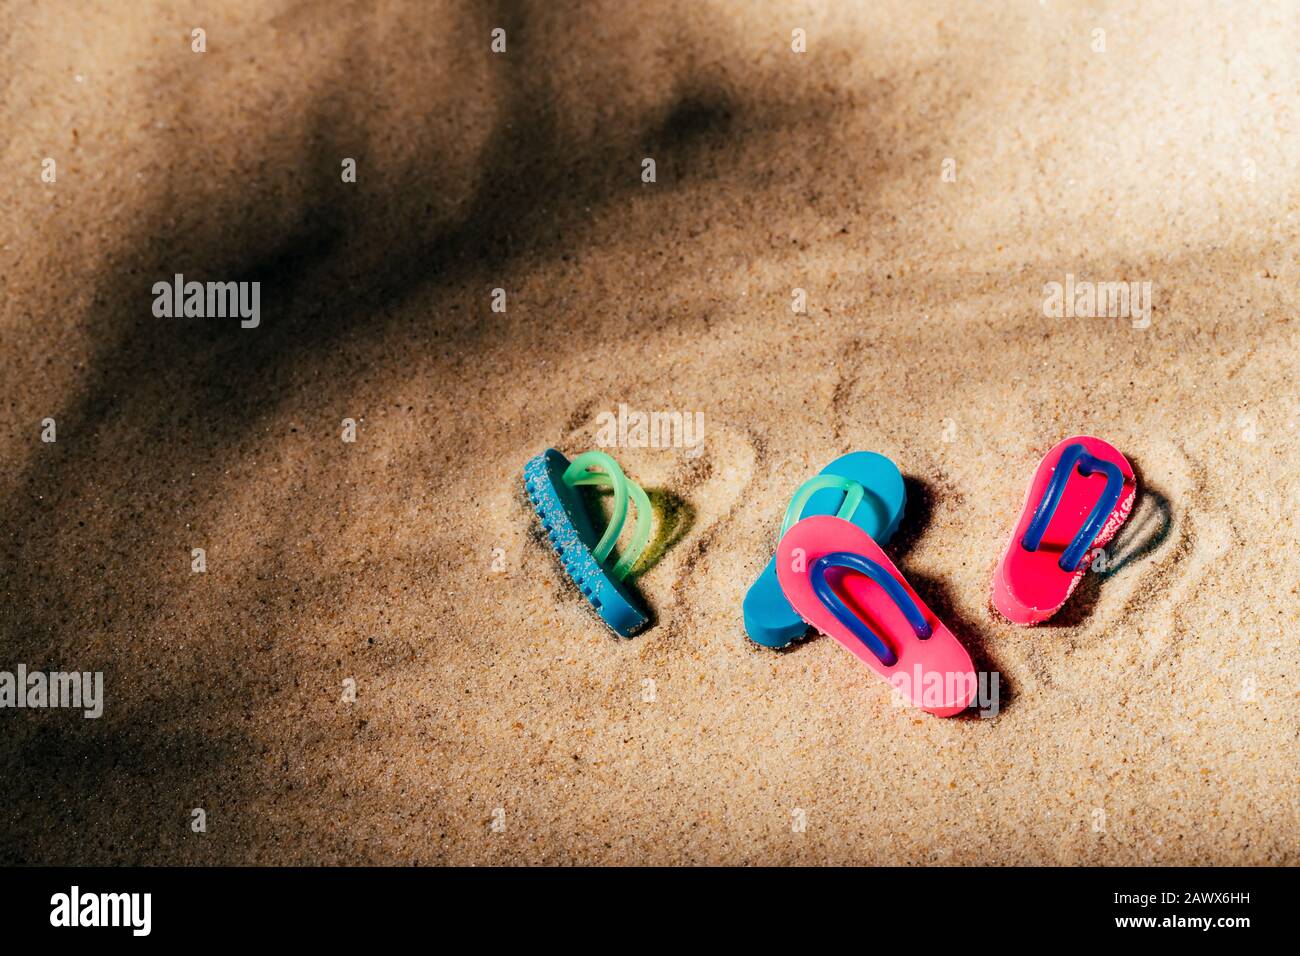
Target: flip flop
<point>862,487</point>
<point>1078,498</point>
<point>841,583</point>
<point>552,482</point>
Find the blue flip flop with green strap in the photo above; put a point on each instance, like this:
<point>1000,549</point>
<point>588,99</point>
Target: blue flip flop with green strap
<point>552,483</point>
<point>862,487</point>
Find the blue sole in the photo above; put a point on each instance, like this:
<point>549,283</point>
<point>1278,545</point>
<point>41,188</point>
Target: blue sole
<point>769,618</point>
<point>568,529</point>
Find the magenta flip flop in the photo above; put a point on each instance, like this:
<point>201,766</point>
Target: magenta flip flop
<point>1081,493</point>
<point>841,583</point>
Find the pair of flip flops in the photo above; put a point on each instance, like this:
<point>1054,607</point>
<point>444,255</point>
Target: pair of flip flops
<point>830,572</point>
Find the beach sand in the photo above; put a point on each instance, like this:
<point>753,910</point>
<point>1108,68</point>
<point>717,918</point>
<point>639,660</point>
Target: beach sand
<point>495,720</point>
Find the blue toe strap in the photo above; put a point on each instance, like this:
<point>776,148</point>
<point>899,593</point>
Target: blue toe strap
<point>1075,456</point>
<point>897,593</point>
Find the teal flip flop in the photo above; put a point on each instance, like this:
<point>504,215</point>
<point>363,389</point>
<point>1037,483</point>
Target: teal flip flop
<point>862,487</point>
<point>552,483</point>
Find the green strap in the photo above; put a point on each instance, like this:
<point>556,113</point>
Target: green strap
<point>579,473</point>
<point>853,492</point>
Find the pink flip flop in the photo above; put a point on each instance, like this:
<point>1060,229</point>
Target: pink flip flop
<point>1079,496</point>
<point>841,583</point>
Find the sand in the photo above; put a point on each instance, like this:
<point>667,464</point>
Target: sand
<point>495,721</point>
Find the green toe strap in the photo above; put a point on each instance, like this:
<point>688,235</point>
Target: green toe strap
<point>853,492</point>
<point>611,476</point>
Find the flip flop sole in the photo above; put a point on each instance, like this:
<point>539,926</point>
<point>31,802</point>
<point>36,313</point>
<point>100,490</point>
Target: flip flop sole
<point>769,618</point>
<point>568,528</point>
<point>933,673</point>
<point>1030,586</point>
